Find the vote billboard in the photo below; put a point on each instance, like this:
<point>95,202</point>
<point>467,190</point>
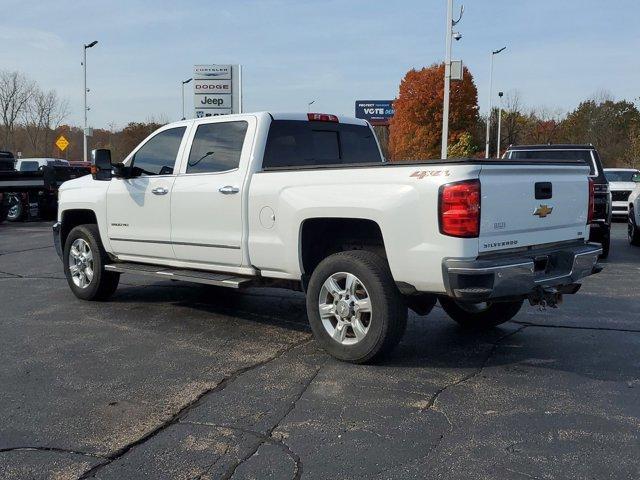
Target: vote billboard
<point>216,90</point>
<point>376,112</point>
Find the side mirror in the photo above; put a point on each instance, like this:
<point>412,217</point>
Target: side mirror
<point>636,177</point>
<point>101,164</point>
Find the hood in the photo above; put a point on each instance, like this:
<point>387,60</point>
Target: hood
<point>622,186</point>
<point>86,181</point>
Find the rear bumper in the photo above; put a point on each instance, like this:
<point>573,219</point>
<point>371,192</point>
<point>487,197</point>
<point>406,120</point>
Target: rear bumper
<point>57,227</point>
<point>522,274</point>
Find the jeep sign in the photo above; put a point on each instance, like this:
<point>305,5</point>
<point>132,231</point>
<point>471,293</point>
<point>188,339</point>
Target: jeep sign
<point>216,90</point>
<point>377,112</point>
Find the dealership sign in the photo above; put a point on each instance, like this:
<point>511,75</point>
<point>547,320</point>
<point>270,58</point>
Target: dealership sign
<point>216,90</point>
<point>376,112</point>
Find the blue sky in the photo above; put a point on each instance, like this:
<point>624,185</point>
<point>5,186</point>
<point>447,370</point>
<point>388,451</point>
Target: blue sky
<point>331,51</point>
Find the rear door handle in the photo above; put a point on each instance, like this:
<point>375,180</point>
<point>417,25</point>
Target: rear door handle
<point>159,191</point>
<point>228,190</point>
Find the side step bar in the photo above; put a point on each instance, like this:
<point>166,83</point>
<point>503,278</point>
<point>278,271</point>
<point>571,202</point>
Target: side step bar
<point>185,275</point>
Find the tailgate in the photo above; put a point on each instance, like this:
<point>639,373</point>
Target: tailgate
<point>532,204</point>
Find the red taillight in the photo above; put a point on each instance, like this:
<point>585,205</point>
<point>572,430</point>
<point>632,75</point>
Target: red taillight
<point>322,117</point>
<point>460,209</point>
<point>592,193</point>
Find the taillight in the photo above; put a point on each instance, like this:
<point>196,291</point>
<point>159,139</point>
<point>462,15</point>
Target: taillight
<point>592,204</point>
<point>322,117</point>
<point>459,209</point>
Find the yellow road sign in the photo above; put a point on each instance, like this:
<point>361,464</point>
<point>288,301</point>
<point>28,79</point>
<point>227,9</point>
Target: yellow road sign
<point>62,143</point>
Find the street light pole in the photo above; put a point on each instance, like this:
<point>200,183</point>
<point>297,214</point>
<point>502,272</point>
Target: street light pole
<point>84,65</point>
<point>493,53</point>
<point>447,81</point>
<point>449,35</point>
<point>183,84</point>
<point>500,94</point>
<point>309,105</point>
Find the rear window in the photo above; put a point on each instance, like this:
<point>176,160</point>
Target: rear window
<point>294,143</point>
<point>584,155</point>
<point>620,175</point>
<point>29,166</point>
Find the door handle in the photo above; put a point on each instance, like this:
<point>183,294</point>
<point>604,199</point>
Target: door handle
<point>228,190</point>
<point>159,191</point>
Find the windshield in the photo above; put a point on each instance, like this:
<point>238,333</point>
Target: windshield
<point>620,175</point>
<point>554,154</point>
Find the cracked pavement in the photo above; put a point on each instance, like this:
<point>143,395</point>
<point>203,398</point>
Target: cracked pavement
<point>179,381</point>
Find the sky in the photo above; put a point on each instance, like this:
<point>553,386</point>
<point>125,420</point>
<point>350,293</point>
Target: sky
<point>334,52</point>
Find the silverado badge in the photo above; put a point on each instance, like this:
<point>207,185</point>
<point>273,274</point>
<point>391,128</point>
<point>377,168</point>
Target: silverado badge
<point>543,211</point>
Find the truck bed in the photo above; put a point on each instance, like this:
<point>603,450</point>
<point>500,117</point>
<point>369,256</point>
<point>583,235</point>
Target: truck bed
<point>48,178</point>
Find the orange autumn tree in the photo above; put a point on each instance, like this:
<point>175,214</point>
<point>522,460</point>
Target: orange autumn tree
<point>416,127</point>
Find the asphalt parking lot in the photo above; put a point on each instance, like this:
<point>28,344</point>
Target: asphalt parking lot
<point>180,381</point>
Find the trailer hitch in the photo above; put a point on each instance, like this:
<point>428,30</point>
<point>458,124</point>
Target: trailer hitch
<point>551,297</point>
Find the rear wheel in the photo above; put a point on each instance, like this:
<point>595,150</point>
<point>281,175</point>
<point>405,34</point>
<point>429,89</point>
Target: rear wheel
<point>16,208</point>
<point>480,316</point>
<point>84,262</point>
<point>355,310</point>
<point>633,232</point>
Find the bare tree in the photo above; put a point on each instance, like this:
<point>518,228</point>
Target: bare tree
<point>15,92</point>
<point>42,115</point>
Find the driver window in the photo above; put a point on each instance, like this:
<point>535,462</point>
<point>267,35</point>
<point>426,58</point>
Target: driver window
<point>158,155</point>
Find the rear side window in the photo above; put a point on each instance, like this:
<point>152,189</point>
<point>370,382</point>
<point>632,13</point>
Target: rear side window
<point>158,155</point>
<point>584,155</point>
<point>217,147</point>
<point>294,143</point>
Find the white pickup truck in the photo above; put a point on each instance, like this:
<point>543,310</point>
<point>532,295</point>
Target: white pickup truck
<point>306,201</point>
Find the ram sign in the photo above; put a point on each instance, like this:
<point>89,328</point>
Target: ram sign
<point>217,90</point>
<point>377,112</point>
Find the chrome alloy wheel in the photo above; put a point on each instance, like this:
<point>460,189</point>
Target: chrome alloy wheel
<point>345,308</point>
<point>81,263</point>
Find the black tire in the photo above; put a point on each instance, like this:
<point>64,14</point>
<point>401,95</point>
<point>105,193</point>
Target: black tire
<point>387,319</point>
<point>16,211</point>
<point>633,232</point>
<point>605,242</point>
<point>492,315</point>
<point>102,284</point>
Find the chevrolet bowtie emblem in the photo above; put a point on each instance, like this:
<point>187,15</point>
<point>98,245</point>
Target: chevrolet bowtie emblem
<point>543,211</point>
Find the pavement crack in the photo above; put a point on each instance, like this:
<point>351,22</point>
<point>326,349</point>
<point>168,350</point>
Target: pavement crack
<point>573,327</point>
<point>51,449</point>
<point>175,418</point>
<point>269,438</point>
<point>476,372</point>
<point>25,250</point>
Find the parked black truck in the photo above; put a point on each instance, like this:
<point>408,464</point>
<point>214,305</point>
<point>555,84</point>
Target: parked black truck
<point>33,193</point>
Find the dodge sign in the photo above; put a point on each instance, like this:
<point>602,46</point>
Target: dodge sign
<point>216,90</point>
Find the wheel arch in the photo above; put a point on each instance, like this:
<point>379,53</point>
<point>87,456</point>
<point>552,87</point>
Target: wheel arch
<point>74,217</point>
<point>347,233</point>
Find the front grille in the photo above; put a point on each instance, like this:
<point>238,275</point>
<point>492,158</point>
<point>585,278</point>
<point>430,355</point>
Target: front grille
<point>620,195</point>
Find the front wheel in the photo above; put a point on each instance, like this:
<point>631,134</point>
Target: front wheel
<point>84,260</point>
<point>355,310</point>
<point>480,316</point>
<point>633,231</point>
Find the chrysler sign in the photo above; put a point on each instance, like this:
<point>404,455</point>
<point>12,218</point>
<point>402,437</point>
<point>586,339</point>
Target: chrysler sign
<point>216,90</point>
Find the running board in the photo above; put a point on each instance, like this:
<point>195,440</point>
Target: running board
<point>185,275</point>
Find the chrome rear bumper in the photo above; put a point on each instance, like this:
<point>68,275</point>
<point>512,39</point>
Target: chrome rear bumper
<point>522,274</point>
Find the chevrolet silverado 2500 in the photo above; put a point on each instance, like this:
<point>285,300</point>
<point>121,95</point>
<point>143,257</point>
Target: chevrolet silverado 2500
<point>307,201</point>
